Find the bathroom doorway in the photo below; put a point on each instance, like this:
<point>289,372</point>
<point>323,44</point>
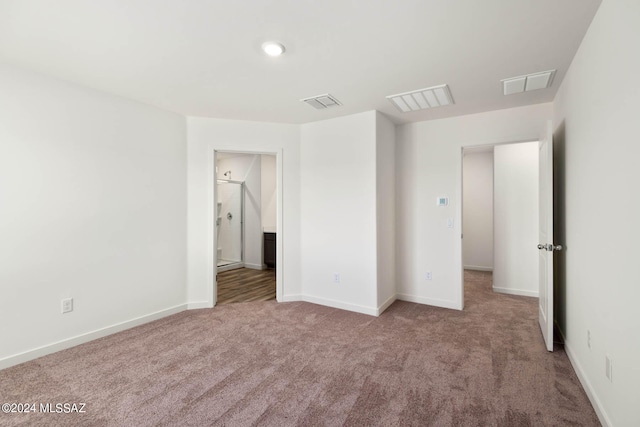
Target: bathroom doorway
<point>246,226</point>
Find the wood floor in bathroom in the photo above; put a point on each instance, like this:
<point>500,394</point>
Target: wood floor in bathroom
<point>245,284</point>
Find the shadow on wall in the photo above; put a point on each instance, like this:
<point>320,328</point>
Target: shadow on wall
<point>559,228</point>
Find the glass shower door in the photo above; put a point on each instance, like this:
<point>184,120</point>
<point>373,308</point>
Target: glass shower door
<point>230,223</point>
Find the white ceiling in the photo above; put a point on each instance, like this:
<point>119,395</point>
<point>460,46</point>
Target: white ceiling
<point>203,58</point>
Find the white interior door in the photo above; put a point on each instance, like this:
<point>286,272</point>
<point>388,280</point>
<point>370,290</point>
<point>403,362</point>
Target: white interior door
<point>545,241</point>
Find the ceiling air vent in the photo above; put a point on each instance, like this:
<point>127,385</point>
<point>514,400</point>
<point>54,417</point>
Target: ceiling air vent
<point>431,97</point>
<point>528,83</point>
<point>321,102</point>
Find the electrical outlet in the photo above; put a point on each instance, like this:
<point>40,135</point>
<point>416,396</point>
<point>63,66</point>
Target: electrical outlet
<point>449,222</point>
<point>428,275</point>
<point>67,305</point>
<point>608,367</point>
<point>588,338</point>
<point>336,277</point>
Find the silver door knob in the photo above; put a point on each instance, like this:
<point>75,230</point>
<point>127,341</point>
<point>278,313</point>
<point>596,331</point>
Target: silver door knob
<point>541,246</point>
<point>554,248</point>
<point>229,216</point>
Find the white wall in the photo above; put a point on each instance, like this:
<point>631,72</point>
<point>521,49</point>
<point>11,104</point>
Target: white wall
<point>596,118</point>
<point>516,219</point>
<point>428,165</point>
<point>338,211</point>
<point>206,135</point>
<point>477,215</point>
<point>268,183</point>
<point>248,168</point>
<point>386,207</point>
<point>92,206</point>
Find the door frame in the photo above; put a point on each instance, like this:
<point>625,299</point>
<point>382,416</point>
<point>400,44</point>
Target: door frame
<point>212,195</point>
<point>459,192</point>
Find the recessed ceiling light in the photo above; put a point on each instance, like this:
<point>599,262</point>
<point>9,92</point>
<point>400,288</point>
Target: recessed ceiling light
<point>273,48</point>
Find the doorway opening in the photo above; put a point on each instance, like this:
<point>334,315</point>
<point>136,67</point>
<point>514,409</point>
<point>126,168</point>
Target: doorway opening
<point>513,247</point>
<point>246,195</point>
<point>500,219</point>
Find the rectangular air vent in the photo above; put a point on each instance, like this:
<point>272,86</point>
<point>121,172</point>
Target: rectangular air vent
<point>431,97</point>
<point>321,102</point>
<point>528,83</point>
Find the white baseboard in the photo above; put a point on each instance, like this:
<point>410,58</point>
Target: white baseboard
<point>198,305</point>
<point>371,311</point>
<point>588,388</point>
<point>339,304</point>
<point>253,266</point>
<point>520,292</point>
<point>228,267</point>
<point>89,336</point>
<point>386,305</point>
<point>291,298</point>
<point>477,268</point>
<point>454,305</point>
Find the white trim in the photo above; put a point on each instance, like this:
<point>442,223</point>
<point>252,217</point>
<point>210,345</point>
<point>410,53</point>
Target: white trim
<point>454,305</point>
<point>521,292</point>
<point>371,311</point>
<point>252,266</point>
<point>477,268</point>
<point>588,388</point>
<point>212,241</point>
<point>458,261</point>
<point>386,305</point>
<point>198,305</point>
<point>232,266</point>
<point>290,298</point>
<point>340,305</point>
<point>279,225</point>
<point>86,337</point>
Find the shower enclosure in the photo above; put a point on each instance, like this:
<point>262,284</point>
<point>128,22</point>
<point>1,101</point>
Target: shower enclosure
<point>230,224</point>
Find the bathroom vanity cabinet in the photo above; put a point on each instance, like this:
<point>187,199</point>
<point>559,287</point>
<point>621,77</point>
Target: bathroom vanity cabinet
<point>269,248</point>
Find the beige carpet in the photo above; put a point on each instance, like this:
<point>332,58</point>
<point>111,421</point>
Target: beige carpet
<point>264,363</point>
